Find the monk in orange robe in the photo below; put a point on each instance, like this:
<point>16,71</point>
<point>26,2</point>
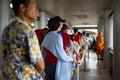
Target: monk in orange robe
<point>99,46</point>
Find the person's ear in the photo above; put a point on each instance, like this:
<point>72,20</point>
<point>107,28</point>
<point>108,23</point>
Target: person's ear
<point>22,7</point>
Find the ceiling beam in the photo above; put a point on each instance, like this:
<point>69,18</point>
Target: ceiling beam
<point>87,27</point>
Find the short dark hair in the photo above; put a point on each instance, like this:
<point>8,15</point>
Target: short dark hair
<point>16,5</point>
<point>84,33</point>
<point>54,23</point>
<point>64,27</point>
<point>75,29</point>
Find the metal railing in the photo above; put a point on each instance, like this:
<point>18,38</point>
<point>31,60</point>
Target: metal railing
<point>111,61</point>
<point>77,68</point>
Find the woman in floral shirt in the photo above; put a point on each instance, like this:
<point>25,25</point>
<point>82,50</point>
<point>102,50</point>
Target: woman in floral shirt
<point>20,48</point>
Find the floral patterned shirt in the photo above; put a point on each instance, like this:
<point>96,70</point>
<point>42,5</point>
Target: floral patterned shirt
<point>20,50</point>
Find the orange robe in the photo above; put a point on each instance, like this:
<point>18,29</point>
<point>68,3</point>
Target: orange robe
<point>99,45</point>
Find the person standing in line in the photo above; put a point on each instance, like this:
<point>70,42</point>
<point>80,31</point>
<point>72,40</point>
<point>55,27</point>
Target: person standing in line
<point>77,39</point>
<point>99,46</point>
<point>66,38</point>
<point>76,36</point>
<point>20,48</point>
<point>56,57</point>
<point>68,48</point>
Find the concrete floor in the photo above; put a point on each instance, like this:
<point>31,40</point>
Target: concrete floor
<point>94,70</point>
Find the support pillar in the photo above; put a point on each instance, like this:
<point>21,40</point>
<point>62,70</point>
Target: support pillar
<point>4,14</point>
<point>43,19</point>
<point>116,47</point>
<point>108,39</point>
<point>4,20</point>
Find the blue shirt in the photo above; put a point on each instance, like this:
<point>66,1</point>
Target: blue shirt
<point>54,43</point>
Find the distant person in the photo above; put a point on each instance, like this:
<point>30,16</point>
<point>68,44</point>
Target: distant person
<point>94,44</point>
<point>86,41</point>
<point>20,48</point>
<point>99,46</point>
<point>76,36</point>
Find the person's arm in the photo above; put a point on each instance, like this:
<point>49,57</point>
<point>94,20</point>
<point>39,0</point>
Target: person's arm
<point>61,54</point>
<point>34,52</point>
<point>40,66</point>
<point>56,47</point>
<point>42,50</point>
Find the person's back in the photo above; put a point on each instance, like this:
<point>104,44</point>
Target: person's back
<point>99,46</point>
<point>76,36</point>
<point>20,48</point>
<point>66,38</point>
<point>16,52</point>
<point>99,43</point>
<point>41,33</point>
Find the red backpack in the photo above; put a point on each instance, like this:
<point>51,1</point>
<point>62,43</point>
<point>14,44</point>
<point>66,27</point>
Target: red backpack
<point>41,33</point>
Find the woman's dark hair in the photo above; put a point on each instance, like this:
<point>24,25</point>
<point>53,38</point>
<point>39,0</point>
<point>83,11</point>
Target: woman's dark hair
<point>53,25</point>
<point>75,30</point>
<point>16,5</point>
<point>84,33</point>
<point>64,27</point>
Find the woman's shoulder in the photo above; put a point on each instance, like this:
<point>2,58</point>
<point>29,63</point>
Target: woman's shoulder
<point>54,34</point>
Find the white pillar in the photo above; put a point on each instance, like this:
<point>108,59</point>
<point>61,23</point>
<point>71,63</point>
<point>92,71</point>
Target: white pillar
<point>4,14</point>
<point>111,33</point>
<point>108,39</point>
<point>4,20</point>
<point>43,19</point>
<point>101,26</point>
<point>116,47</point>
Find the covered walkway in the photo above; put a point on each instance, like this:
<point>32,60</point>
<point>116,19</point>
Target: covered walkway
<point>102,15</point>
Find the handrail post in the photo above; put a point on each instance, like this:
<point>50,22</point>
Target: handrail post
<point>85,67</point>
<point>77,76</point>
<point>88,52</point>
<point>85,62</point>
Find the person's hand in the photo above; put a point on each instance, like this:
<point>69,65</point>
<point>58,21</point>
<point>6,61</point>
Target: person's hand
<point>68,48</point>
<point>77,61</point>
<point>74,51</point>
<point>69,54</point>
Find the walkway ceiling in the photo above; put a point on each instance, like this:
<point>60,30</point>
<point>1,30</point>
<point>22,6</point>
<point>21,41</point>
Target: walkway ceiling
<point>76,12</point>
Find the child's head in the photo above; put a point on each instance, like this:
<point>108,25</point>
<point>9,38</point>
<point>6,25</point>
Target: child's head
<point>64,28</point>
